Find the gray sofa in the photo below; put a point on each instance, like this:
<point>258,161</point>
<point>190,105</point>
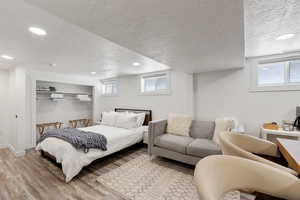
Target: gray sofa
<point>181,148</point>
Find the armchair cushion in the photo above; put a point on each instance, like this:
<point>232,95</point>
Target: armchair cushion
<point>173,142</point>
<point>222,124</point>
<point>203,148</point>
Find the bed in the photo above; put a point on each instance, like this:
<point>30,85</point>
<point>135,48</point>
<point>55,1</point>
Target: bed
<point>73,160</point>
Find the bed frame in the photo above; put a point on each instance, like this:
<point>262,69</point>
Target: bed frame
<point>148,119</point>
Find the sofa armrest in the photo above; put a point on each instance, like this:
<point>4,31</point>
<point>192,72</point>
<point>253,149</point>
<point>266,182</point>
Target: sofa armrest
<point>156,128</point>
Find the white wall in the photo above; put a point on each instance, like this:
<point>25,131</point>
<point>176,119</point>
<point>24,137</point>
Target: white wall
<point>180,100</point>
<point>63,110</point>
<point>19,110</point>
<point>4,108</point>
<point>227,93</point>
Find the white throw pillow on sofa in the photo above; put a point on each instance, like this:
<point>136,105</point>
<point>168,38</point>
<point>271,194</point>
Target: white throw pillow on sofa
<point>179,124</point>
<point>222,124</point>
<point>127,121</point>
<point>108,118</point>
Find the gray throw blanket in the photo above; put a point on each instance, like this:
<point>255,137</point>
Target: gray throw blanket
<point>79,139</point>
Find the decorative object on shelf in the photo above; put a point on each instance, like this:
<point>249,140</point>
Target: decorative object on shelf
<point>55,96</point>
<point>287,125</point>
<point>272,126</point>
<point>83,97</point>
<point>42,89</point>
<point>41,127</point>
<point>52,89</point>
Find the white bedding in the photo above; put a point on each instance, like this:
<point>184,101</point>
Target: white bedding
<point>74,160</point>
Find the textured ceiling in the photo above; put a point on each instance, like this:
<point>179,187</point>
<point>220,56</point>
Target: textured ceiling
<point>73,49</point>
<point>268,19</point>
<point>192,36</point>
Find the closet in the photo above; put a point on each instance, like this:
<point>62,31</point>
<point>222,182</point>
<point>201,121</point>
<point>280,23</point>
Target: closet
<point>59,105</point>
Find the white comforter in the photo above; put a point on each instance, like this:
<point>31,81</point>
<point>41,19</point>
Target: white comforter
<point>74,160</point>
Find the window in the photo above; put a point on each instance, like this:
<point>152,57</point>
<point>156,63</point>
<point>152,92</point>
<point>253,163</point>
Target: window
<point>109,88</point>
<point>294,71</point>
<point>271,73</point>
<point>278,75</point>
<point>156,83</point>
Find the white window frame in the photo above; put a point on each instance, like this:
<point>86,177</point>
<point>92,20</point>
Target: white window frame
<point>286,86</point>
<point>159,92</point>
<point>109,81</point>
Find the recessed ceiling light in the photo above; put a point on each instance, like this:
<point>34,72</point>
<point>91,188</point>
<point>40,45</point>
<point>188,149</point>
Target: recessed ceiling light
<point>52,64</point>
<point>7,57</point>
<point>285,36</point>
<point>136,64</point>
<point>37,31</point>
<point>93,73</point>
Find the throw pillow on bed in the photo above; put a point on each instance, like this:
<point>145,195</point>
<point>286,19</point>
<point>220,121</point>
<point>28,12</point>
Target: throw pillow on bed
<point>179,124</point>
<point>108,118</point>
<point>126,121</point>
<point>140,118</point>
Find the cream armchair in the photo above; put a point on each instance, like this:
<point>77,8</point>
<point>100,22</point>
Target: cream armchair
<point>247,146</point>
<point>216,175</point>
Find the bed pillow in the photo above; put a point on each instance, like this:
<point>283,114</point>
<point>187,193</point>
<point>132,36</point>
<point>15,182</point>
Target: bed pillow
<point>179,124</point>
<point>126,121</point>
<point>222,124</point>
<point>108,118</point>
<point>140,118</point>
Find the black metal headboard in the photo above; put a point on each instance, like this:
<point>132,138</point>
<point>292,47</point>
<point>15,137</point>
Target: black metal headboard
<point>148,113</point>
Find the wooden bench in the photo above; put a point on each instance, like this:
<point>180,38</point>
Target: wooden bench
<point>82,122</point>
<point>41,127</point>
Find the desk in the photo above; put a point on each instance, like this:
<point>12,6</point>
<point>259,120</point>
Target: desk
<point>279,134</point>
<point>290,149</point>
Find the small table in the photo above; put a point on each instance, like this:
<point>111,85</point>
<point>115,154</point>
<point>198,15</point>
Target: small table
<point>290,150</point>
<point>279,133</point>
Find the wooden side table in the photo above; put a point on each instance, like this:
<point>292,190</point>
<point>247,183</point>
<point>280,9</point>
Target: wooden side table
<point>267,134</point>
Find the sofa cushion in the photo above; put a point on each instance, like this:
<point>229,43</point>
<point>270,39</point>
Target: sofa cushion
<point>202,129</point>
<point>179,124</point>
<point>173,142</point>
<point>203,148</point>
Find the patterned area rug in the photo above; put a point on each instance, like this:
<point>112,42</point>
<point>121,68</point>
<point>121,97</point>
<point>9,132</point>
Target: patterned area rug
<point>156,179</point>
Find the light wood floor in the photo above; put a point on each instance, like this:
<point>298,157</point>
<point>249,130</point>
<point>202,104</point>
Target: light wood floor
<point>34,177</point>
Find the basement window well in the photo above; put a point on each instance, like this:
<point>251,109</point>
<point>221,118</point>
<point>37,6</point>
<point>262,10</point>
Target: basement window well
<point>278,75</point>
<point>109,88</point>
<point>155,83</point>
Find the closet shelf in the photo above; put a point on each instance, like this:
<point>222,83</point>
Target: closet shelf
<point>65,93</point>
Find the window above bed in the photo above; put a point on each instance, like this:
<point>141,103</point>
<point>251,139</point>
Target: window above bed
<point>109,88</point>
<point>155,83</point>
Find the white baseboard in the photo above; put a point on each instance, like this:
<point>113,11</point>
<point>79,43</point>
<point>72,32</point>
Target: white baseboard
<point>4,146</point>
<point>17,153</point>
